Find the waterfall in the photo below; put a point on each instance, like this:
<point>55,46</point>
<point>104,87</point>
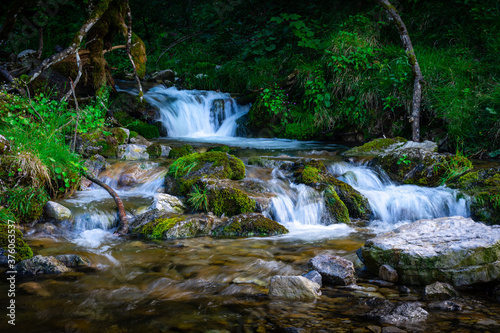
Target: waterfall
<point>195,113</point>
<point>393,203</point>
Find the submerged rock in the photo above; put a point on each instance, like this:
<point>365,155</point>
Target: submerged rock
<point>439,290</point>
<point>41,265</point>
<point>293,287</point>
<point>334,269</point>
<point>56,211</point>
<point>73,260</point>
<point>314,276</point>
<point>249,225</point>
<point>132,152</point>
<point>456,250</point>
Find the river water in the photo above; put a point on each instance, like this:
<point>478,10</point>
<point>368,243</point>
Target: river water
<point>220,285</point>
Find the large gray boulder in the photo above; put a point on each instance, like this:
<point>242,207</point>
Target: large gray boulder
<point>293,287</point>
<point>334,270</point>
<point>456,250</point>
<point>41,265</point>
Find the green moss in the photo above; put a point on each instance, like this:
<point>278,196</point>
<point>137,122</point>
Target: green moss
<point>336,207</point>
<point>356,203</point>
<point>22,250</point>
<point>177,152</point>
<point>154,150</point>
<point>250,225</point>
<point>6,215</point>
<point>160,226</point>
<point>120,135</point>
<point>146,130</point>
<point>138,52</point>
<point>224,149</point>
<point>230,202</point>
<point>374,147</point>
<point>221,165</point>
<point>133,134</point>
<point>310,175</point>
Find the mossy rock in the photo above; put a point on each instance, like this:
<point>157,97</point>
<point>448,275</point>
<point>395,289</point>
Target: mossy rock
<point>99,142</point>
<point>120,135</point>
<point>376,147</point>
<point>146,130</point>
<point>229,201</point>
<point>313,172</point>
<point>250,225</point>
<point>483,186</point>
<point>187,170</point>
<point>422,167</point>
<point>154,150</point>
<point>22,250</point>
<point>336,208</point>
<point>177,152</point>
<point>126,108</point>
<point>155,224</point>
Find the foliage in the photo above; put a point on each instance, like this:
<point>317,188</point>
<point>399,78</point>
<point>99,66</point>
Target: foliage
<point>26,203</point>
<point>22,250</point>
<point>198,198</point>
<point>454,167</point>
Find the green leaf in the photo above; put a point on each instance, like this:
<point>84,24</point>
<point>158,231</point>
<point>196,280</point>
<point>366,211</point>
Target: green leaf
<point>57,170</point>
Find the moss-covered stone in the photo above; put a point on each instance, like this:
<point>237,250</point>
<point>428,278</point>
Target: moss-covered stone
<point>98,142</point>
<point>224,149</point>
<point>250,225</point>
<point>146,130</point>
<point>422,167</point>
<point>310,175</point>
<point>26,203</point>
<point>375,147</point>
<point>177,152</point>
<point>229,201</point>
<point>120,135</point>
<point>154,150</point>
<point>356,203</point>
<point>336,208</point>
<point>483,186</point>
<point>158,226</point>
<point>22,250</point>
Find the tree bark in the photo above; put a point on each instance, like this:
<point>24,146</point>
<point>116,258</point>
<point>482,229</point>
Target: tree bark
<point>129,45</point>
<point>124,224</point>
<point>417,74</point>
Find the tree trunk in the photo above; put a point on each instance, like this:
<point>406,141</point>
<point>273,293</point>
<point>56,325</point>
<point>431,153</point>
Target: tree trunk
<point>417,74</point>
<point>124,224</point>
<point>98,11</point>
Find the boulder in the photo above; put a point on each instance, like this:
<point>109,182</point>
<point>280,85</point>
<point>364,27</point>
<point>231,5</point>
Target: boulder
<point>420,164</point>
<point>41,265</point>
<point>95,165</point>
<point>132,152</point>
<point>334,270</point>
<point>388,273</point>
<point>96,142</point>
<point>158,150</point>
<point>439,290</point>
<point>168,203</point>
<point>483,186</point>
<point>121,134</point>
<point>293,287</point>
<point>73,260</point>
<point>456,250</point>
<point>249,225</point>
<point>314,276</point>
<point>53,210</point>
<point>140,140</point>
<point>405,314</point>
<point>376,147</point>
<point>164,75</point>
<point>159,225</point>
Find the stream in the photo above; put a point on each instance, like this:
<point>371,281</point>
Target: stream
<point>220,285</point>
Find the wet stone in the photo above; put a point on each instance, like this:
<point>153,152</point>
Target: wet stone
<point>41,265</point>
<point>392,329</point>
<point>445,306</point>
<point>314,276</point>
<point>293,287</point>
<point>334,269</point>
<point>388,273</point>
<point>439,290</point>
<point>374,329</point>
<point>73,260</point>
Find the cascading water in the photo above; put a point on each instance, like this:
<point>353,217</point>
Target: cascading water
<point>194,113</point>
<point>393,203</point>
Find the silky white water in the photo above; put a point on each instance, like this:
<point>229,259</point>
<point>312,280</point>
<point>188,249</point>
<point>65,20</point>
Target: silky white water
<point>195,113</point>
<point>392,203</point>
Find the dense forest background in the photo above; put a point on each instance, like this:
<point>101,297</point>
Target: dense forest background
<point>327,70</point>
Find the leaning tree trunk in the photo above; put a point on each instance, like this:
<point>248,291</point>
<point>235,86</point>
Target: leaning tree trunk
<point>417,74</point>
<point>98,11</point>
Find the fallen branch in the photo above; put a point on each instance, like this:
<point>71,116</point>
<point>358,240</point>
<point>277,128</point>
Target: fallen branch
<point>124,225</point>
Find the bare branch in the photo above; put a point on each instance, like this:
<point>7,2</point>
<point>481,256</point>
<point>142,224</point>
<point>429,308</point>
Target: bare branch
<point>129,44</point>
